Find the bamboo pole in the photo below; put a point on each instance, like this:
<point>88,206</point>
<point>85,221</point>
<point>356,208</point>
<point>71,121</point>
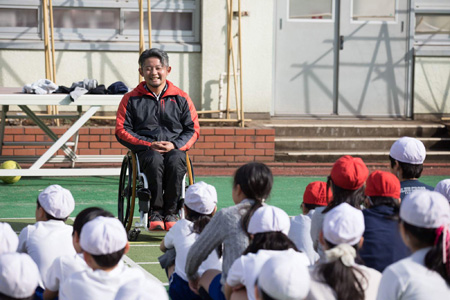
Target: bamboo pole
<point>240,64</point>
<point>141,30</point>
<point>52,40</point>
<point>46,49</point>
<point>149,21</point>
<point>230,37</point>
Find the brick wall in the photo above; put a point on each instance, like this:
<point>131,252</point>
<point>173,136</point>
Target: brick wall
<point>216,145</point>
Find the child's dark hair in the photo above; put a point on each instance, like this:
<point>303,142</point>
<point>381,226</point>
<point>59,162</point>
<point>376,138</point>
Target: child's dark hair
<point>199,220</point>
<point>154,52</point>
<point>433,259</point>
<point>387,201</point>
<point>353,197</point>
<point>310,206</point>
<point>273,240</point>
<point>49,216</point>
<point>87,215</point>
<point>108,260</point>
<point>408,170</point>
<point>342,279</point>
<point>255,180</point>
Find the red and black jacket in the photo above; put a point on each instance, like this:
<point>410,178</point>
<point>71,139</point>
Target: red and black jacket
<point>142,119</point>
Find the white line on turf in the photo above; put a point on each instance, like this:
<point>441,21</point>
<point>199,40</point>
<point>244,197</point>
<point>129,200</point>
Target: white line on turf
<point>148,263</point>
<point>131,263</point>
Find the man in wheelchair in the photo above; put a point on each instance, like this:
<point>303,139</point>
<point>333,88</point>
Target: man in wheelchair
<point>158,122</point>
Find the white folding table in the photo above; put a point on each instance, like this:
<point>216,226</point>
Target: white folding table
<point>10,96</point>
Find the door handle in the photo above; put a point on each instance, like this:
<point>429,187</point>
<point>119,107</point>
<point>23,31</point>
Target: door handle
<point>341,42</point>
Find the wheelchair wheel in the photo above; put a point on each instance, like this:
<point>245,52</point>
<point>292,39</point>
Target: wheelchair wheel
<point>127,190</point>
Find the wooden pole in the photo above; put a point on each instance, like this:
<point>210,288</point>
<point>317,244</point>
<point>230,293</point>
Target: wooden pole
<point>52,40</point>
<point>240,64</point>
<point>149,21</point>
<point>141,30</point>
<point>46,49</point>
<point>230,45</point>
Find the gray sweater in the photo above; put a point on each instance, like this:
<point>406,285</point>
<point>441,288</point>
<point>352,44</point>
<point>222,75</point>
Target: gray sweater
<point>224,228</point>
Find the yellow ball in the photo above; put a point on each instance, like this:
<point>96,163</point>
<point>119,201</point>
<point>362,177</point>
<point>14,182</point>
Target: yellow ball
<point>10,164</point>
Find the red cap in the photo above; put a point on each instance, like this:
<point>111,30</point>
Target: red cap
<point>349,172</point>
<point>316,193</point>
<point>383,184</point>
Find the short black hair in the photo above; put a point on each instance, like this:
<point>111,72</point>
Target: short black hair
<point>154,52</point>
<point>312,206</point>
<point>108,260</point>
<point>49,216</point>
<point>87,215</point>
<point>408,170</point>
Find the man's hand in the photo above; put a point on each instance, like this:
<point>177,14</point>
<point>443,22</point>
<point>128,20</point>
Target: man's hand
<point>162,146</point>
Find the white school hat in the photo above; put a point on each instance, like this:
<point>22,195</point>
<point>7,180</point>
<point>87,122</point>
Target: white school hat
<point>57,201</point>
<point>425,209</point>
<point>269,218</point>
<point>139,290</point>
<point>285,277</point>
<point>19,275</point>
<point>8,239</point>
<point>344,224</point>
<point>408,150</point>
<point>201,197</point>
<point>443,187</point>
<point>103,235</point>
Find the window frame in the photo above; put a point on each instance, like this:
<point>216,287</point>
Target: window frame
<point>105,39</point>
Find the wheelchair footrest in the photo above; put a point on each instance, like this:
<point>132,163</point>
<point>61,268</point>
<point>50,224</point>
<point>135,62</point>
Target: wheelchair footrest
<point>144,196</point>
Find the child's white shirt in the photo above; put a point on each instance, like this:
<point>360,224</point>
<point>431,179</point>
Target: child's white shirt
<point>409,278</point>
<point>181,237</point>
<point>45,241</point>
<point>246,268</point>
<point>300,234</point>
<point>98,284</point>
<point>62,268</point>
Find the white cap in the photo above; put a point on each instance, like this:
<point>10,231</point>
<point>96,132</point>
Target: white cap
<point>57,201</point>
<point>344,224</point>
<point>443,187</point>
<point>285,277</point>
<point>425,209</point>
<point>408,150</point>
<point>201,197</point>
<point>139,290</point>
<point>269,218</point>
<point>19,275</point>
<point>8,239</point>
<point>102,236</point>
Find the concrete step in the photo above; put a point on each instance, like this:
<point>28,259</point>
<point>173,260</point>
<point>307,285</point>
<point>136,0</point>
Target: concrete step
<point>367,156</point>
<point>290,143</point>
<point>359,130</point>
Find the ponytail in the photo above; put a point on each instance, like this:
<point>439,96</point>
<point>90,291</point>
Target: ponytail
<point>438,258</point>
<point>339,273</point>
<point>255,180</point>
<point>199,220</point>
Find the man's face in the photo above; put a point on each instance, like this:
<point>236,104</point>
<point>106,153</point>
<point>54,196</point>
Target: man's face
<point>154,72</point>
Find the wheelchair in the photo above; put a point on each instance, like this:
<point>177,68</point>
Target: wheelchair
<point>131,183</point>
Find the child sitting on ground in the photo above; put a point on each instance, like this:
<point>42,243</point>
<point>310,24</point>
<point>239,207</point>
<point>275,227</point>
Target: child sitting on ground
<point>19,276</point>
<point>104,242</point>
<point>283,277</point>
<point>268,230</point>
<point>8,239</point>
<point>199,206</point>
<point>340,277</point>
<point>383,244</point>
<point>315,195</point>
<point>65,265</point>
<point>425,274</point>
<point>49,237</point>
<point>443,187</point>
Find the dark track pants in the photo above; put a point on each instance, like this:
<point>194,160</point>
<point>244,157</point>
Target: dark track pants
<point>165,174</point>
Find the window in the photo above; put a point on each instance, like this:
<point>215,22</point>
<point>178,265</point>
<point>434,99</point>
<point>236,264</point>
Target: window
<point>369,10</point>
<point>94,24</point>
<point>305,9</point>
